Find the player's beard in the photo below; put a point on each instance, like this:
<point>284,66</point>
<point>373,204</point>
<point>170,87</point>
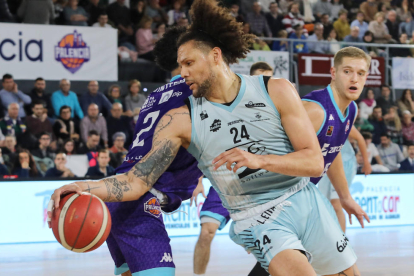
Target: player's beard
<point>204,89</point>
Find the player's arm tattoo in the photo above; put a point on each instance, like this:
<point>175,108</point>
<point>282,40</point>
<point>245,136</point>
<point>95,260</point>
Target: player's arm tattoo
<point>115,189</point>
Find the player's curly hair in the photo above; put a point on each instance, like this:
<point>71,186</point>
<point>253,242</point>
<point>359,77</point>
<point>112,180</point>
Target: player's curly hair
<point>165,50</point>
<point>214,26</point>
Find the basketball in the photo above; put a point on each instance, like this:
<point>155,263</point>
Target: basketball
<point>81,223</point>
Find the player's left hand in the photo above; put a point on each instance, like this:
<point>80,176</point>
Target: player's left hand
<point>352,208</point>
<point>240,157</point>
<point>366,168</point>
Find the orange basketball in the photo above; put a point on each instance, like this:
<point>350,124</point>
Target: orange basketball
<point>81,223</point>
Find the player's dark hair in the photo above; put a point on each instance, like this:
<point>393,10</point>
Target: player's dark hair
<point>261,65</point>
<point>214,26</point>
<point>165,50</point>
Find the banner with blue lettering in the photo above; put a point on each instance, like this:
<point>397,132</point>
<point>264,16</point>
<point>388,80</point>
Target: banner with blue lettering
<point>57,52</point>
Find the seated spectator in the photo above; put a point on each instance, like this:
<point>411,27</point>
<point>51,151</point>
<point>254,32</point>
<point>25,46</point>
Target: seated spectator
<point>260,45</point>
<point>299,47</point>
<point>337,6</point>
<point>3,168</point>
<point>11,94</point>
<point>160,31</point>
<point>393,25</point>
<point>261,68</point>
<point>144,41</point>
<point>362,124</point>
<point>118,151</point>
<point>361,24</point>
<point>385,101</point>
<point>68,98</point>
<point>401,52</point>
<point>94,96</point>
<point>91,146</point>
<point>373,153</point>
<point>327,25</point>
<point>407,127</point>
<point>102,169</point>
<point>39,94</point>
<point>293,18</point>
<point>379,29</point>
<point>341,25</point>
<point>138,12</point>
<point>59,6</point>
<point>274,19</point>
<point>118,123</point>
<point>44,150</point>
<point>36,12</point>
<point>393,123</point>
<point>94,121</point>
<point>369,38</point>
<point>69,147</point>
<point>114,96</point>
<point>9,151</point>
<point>119,14</point>
<point>405,11</point>
<point>12,124</point>
<point>25,166</point>
<point>390,153</point>
<point>75,15</point>
<point>321,7</point>
<point>38,121</point>
<point>258,22</point>
<point>354,37</point>
<point>408,163</point>
<point>369,8</point>
<point>155,12</point>
<point>234,11</point>
<point>333,46</point>
<point>182,21</point>
<point>176,13</point>
<point>134,100</point>
<point>366,105</point>
<point>281,46</point>
<point>60,169</point>
<point>95,10</point>
<point>406,101</point>
<point>65,127</point>
<point>377,121</point>
<point>315,46</point>
<point>102,21</point>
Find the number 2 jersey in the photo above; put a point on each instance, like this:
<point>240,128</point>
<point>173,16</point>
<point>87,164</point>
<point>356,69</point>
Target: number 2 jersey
<point>335,128</point>
<point>181,177</point>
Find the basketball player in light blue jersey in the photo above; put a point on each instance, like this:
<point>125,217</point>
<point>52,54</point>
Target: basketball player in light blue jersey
<point>255,143</point>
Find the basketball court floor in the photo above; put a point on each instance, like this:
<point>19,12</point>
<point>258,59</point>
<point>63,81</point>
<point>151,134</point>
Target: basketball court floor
<point>382,251</point>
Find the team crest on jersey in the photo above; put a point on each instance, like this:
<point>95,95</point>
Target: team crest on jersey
<point>329,131</point>
<point>203,115</point>
<point>251,105</point>
<point>215,126</point>
<point>347,127</point>
<point>152,206</point>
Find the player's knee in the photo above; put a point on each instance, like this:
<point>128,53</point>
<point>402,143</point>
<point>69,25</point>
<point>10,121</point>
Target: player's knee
<point>208,231</point>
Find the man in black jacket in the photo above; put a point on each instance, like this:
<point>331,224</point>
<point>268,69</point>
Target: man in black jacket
<point>38,93</point>
<point>274,19</point>
<point>118,123</point>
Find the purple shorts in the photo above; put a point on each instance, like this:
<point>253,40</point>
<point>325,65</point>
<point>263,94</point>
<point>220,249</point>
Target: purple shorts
<point>213,208</point>
<point>138,240</point>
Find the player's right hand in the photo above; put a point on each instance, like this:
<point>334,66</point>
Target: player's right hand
<point>198,190</point>
<point>55,198</point>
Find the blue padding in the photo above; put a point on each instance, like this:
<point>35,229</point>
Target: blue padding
<point>216,216</point>
<point>158,271</point>
<point>122,269</point>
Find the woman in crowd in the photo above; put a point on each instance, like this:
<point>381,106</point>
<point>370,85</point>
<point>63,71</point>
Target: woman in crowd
<point>69,147</point>
<point>379,29</point>
<point>406,102</point>
<point>366,106</point>
<point>369,38</point>
<point>144,41</point>
<point>138,12</point>
<point>405,11</point>
<point>176,13</point>
<point>333,47</point>
<point>134,100</point>
<point>75,15</point>
<point>394,128</point>
<point>25,166</point>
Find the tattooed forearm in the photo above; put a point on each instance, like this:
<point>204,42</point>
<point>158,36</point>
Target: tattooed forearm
<point>115,189</point>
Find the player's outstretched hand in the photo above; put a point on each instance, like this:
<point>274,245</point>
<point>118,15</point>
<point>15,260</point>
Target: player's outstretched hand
<point>352,208</point>
<point>198,190</point>
<point>55,198</point>
<point>366,168</point>
<point>240,157</point>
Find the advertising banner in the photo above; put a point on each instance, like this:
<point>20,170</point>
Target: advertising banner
<point>314,69</point>
<point>57,52</point>
<point>402,73</point>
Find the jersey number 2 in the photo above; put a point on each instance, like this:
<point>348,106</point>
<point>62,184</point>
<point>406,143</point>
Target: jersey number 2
<point>153,116</point>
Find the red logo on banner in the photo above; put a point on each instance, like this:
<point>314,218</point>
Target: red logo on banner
<point>314,69</point>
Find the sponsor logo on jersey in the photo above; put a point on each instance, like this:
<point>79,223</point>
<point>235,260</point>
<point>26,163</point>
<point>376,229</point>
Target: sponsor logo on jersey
<point>347,127</point>
<point>258,116</point>
<point>203,115</point>
<point>341,245</point>
<point>215,126</point>
<point>149,102</point>
<point>329,131</point>
<point>166,258</point>
<point>326,149</point>
<point>251,105</point>
<point>152,206</point>
<point>235,122</point>
<point>165,96</point>
<point>331,118</point>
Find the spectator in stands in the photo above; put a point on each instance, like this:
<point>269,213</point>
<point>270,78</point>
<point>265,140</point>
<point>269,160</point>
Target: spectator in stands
<point>373,153</point>
<point>369,8</point>
<point>36,12</point>
<point>95,10</point>
<point>293,18</point>
<point>405,11</point>
<point>258,22</point>
<point>119,14</point>
<point>156,13</point>
<point>314,44</point>
<point>24,165</point>
<point>334,46</point>
<point>393,24</point>
<point>3,168</point>
<point>44,149</point>
<point>361,24</point>
<point>175,13</point>
<point>369,38</point>
<point>406,101</point>
<point>337,6</point>
<point>260,45</point>
<point>377,121</point>
<point>102,21</point>
<point>182,21</point>
<point>2,139</point>
<point>261,68</point>
<point>114,96</point>
<point>118,151</point>
<point>69,147</point>
<point>94,121</point>
<point>11,94</point>
<point>363,124</point>
<point>38,93</point>
<point>299,47</point>
<point>94,96</point>
<point>341,25</point>
<point>390,153</point>
<point>366,105</point>
<point>379,29</point>
<point>5,14</point>
<point>118,123</point>
<point>144,40</point>
<point>321,7</point>
<point>9,151</point>
<point>234,11</point>
<point>59,6</point>
<point>102,169</point>
<point>385,101</point>
<point>60,169</point>
<point>75,15</point>
<point>274,19</point>
<point>160,31</point>
<point>12,124</point>
<point>354,37</point>
<point>407,127</point>
<point>134,100</point>
<point>407,27</point>
<point>38,121</point>
<point>393,123</point>
<point>408,163</point>
<point>65,127</point>
<point>92,143</point>
<point>281,46</point>
<point>138,12</point>
<point>66,97</point>
<point>327,25</point>
<point>401,52</point>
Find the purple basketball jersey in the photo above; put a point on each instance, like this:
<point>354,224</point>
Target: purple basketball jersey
<point>182,175</point>
<point>335,128</point>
